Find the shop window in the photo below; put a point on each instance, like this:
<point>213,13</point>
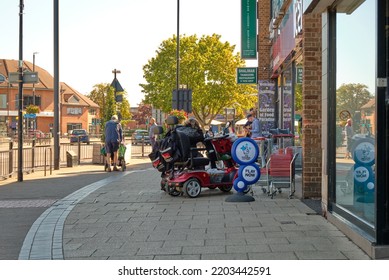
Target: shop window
<point>355,109</point>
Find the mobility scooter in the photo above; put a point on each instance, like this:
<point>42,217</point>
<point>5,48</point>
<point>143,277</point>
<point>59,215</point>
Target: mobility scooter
<point>184,170</point>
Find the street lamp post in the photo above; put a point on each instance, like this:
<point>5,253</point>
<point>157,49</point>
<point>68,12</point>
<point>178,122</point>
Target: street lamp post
<point>33,89</point>
<point>178,46</point>
<point>33,85</point>
<point>20,94</point>
<point>56,85</point>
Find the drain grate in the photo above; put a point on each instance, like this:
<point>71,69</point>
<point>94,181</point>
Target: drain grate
<point>27,203</point>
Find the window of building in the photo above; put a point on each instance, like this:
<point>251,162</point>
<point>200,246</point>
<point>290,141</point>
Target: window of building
<point>71,126</point>
<point>74,111</point>
<point>92,111</point>
<point>355,109</point>
<point>3,101</point>
<point>29,99</point>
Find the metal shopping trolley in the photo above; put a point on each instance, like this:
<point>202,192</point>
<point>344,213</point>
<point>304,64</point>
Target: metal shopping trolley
<point>280,170</point>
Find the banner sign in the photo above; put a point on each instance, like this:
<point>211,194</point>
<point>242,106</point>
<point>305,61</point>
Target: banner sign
<point>249,29</point>
<point>267,105</point>
<point>287,111</point>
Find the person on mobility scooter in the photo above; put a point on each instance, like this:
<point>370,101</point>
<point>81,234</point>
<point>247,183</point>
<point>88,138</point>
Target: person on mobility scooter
<point>183,170</point>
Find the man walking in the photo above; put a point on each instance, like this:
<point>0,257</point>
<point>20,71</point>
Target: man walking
<point>113,138</point>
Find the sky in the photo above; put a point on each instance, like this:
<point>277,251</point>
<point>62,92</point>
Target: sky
<point>101,35</point>
<point>356,47</point>
<point>98,36</point>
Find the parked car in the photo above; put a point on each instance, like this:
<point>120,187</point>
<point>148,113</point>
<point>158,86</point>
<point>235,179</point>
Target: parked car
<point>35,133</point>
<point>81,134</point>
<point>139,136</point>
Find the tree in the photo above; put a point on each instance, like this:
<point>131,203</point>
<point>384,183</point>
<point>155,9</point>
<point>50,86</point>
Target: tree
<point>124,109</point>
<point>143,114</point>
<point>298,97</point>
<point>208,67</point>
<point>104,96</point>
<point>352,97</point>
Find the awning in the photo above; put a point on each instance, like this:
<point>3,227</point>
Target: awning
<point>241,122</point>
<point>215,122</point>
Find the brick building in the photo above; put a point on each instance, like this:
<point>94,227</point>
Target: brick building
<point>282,46</point>
<point>76,110</point>
<point>331,43</point>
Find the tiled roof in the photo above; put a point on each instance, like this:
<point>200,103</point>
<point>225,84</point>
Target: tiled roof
<point>68,92</point>
<point>46,81</point>
<point>369,104</point>
<point>10,65</point>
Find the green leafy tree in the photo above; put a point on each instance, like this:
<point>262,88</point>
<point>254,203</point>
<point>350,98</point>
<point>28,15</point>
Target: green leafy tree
<point>104,96</point>
<point>352,97</point>
<point>124,109</point>
<point>207,66</point>
<point>298,97</point>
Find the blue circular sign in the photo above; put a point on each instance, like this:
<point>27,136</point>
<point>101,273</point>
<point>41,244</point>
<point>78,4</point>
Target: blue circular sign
<point>363,174</point>
<point>245,151</point>
<point>249,174</point>
<point>364,152</point>
<point>240,185</point>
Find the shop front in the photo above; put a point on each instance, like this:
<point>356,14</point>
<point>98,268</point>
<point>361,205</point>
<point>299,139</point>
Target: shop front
<point>355,75</point>
<point>280,97</point>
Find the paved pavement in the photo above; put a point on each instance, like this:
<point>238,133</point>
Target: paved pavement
<point>84,213</point>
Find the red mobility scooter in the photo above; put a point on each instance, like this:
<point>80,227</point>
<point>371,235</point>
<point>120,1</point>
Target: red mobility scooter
<point>184,171</point>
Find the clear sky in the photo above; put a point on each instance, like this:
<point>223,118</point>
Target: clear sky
<point>101,35</point>
<point>356,46</point>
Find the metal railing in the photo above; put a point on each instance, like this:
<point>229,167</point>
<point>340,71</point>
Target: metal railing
<point>38,155</point>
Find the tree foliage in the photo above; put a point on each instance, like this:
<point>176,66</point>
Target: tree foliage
<point>352,97</point>
<point>104,96</point>
<point>143,114</point>
<point>207,66</point>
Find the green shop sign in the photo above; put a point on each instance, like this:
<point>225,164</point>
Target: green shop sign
<point>247,75</point>
<point>249,29</point>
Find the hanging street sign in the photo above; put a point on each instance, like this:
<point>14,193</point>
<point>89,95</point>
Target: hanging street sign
<point>28,77</point>
<point>247,75</point>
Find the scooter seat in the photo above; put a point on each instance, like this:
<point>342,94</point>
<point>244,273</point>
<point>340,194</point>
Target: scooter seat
<point>200,161</point>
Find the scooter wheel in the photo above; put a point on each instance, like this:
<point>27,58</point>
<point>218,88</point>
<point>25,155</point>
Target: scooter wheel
<point>226,188</point>
<point>192,188</point>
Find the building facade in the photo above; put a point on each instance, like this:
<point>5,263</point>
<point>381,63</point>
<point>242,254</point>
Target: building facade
<point>76,110</point>
<point>339,52</point>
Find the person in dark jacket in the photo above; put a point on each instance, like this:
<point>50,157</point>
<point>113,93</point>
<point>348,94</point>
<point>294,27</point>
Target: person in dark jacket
<point>113,138</point>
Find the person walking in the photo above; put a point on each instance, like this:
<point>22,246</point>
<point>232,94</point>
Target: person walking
<point>113,138</point>
<point>151,132</point>
<point>349,136</point>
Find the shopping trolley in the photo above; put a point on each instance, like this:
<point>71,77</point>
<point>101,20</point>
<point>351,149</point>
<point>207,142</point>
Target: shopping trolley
<point>280,170</point>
